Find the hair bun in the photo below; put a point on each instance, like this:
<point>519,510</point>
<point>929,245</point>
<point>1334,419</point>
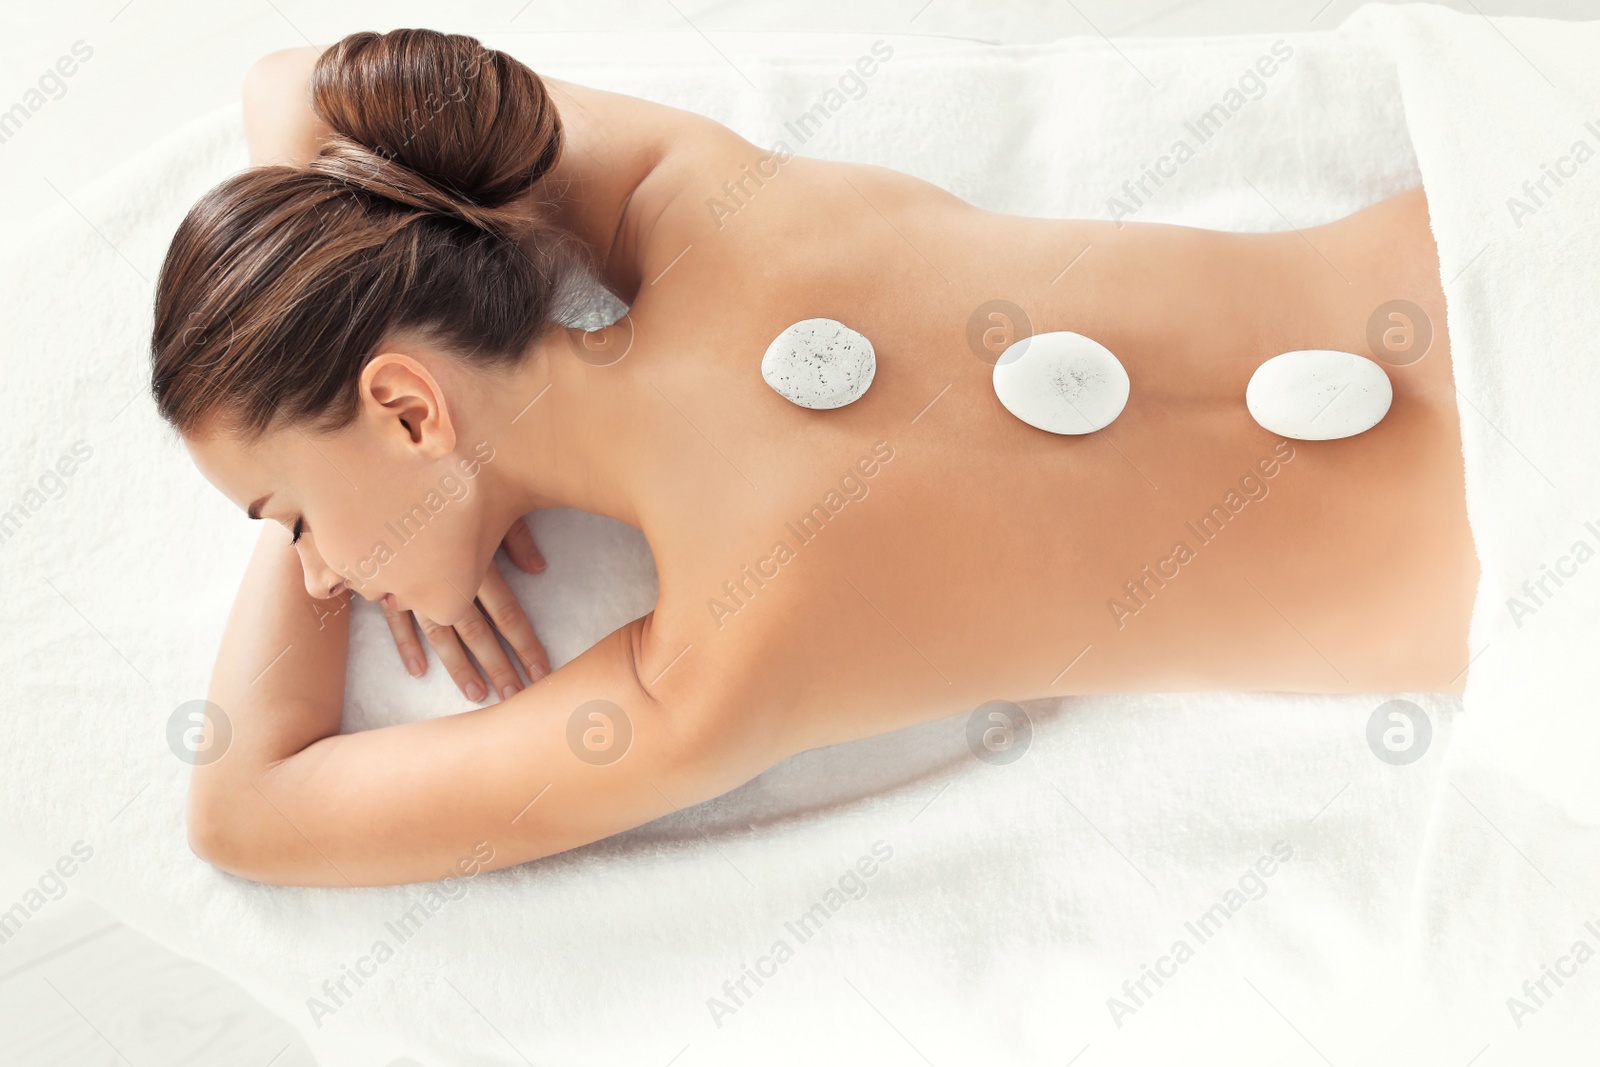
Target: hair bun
<point>476,123</point>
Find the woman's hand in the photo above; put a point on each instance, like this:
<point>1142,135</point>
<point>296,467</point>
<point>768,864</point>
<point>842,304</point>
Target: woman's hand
<point>496,601</point>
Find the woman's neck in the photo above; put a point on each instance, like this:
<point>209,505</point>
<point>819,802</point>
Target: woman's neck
<point>555,424</point>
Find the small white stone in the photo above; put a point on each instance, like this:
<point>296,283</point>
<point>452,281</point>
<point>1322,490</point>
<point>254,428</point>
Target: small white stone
<point>1062,382</point>
<point>1318,394</point>
<point>819,363</point>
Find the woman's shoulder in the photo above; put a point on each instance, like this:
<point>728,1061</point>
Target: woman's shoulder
<point>634,174</point>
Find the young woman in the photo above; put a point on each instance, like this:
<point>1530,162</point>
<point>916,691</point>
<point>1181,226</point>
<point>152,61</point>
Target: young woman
<point>356,342</point>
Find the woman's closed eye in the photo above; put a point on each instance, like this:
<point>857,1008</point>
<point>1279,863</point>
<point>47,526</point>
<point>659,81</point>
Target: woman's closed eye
<point>298,529</point>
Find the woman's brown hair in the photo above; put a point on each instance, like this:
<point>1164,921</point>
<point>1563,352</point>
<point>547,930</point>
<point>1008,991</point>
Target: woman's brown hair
<point>282,281</point>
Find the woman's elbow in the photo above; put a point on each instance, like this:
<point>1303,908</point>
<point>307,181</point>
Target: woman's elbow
<point>279,124</point>
<point>213,838</point>
<point>226,838</point>
<point>246,836</point>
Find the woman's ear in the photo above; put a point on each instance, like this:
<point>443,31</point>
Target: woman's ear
<point>406,405</point>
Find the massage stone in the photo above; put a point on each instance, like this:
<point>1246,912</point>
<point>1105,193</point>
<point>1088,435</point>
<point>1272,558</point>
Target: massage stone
<point>1062,382</point>
<point>819,363</point>
<point>1318,395</point>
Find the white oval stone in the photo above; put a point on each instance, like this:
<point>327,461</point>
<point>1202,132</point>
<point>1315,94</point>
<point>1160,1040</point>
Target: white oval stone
<point>819,363</point>
<point>1318,395</point>
<point>1062,382</point>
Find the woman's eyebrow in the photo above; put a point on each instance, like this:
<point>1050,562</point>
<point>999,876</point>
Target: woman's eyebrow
<point>254,510</point>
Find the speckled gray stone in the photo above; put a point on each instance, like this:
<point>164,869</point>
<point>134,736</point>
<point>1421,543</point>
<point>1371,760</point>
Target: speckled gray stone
<point>819,363</point>
<point>1062,382</point>
<point>1318,394</point>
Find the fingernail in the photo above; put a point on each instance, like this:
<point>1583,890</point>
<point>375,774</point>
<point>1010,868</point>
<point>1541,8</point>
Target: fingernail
<point>476,691</point>
<point>414,665</point>
<point>538,563</point>
<point>508,691</point>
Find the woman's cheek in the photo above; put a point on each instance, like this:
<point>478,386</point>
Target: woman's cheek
<point>365,556</point>
<point>359,556</point>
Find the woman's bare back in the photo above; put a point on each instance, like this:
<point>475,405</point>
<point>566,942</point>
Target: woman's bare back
<point>921,551</point>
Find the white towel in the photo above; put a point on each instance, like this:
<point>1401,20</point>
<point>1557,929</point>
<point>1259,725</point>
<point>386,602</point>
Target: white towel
<point>1010,912</point>
<point>1505,119</point>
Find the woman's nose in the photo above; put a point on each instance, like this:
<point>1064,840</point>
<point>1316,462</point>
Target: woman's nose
<point>326,587</point>
<point>323,584</point>
<point>322,581</point>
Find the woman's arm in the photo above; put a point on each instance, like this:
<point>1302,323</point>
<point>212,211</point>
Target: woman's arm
<point>584,755</point>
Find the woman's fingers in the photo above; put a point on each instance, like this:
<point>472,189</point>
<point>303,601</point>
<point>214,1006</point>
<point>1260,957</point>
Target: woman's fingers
<point>495,605</point>
<point>448,647</point>
<point>403,626</point>
<point>500,604</point>
<point>405,639</point>
<point>519,546</point>
<point>476,633</point>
